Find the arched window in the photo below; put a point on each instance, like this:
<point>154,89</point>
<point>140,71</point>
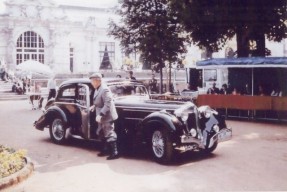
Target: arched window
<point>30,45</point>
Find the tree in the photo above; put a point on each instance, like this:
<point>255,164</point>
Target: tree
<point>106,64</point>
<point>212,22</point>
<point>149,27</point>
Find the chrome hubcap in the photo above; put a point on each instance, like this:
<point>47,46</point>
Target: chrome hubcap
<point>158,144</point>
<point>58,129</point>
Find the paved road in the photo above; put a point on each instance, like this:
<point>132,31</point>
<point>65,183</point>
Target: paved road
<point>255,159</point>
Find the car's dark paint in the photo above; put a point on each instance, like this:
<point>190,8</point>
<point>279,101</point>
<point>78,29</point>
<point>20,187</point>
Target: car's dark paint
<point>139,117</point>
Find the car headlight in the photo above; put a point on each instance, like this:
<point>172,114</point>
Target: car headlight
<point>216,128</point>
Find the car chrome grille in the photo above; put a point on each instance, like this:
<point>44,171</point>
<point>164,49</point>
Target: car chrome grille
<point>191,121</point>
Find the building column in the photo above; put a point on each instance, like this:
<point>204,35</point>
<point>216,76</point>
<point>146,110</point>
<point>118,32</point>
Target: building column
<point>90,62</point>
<point>59,51</point>
<point>10,49</point>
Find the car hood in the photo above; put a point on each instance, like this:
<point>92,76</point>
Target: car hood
<point>144,103</point>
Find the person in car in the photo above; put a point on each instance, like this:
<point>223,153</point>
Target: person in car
<point>106,114</point>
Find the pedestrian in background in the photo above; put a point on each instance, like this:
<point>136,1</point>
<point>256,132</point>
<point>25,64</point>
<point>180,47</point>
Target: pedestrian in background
<point>261,91</point>
<point>52,88</point>
<point>213,89</point>
<point>223,90</point>
<point>131,77</point>
<point>106,114</point>
<point>153,84</point>
<point>276,91</point>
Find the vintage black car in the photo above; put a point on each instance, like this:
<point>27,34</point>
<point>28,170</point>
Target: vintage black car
<point>164,126</point>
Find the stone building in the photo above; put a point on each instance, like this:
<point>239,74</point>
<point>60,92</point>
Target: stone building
<point>68,38</point>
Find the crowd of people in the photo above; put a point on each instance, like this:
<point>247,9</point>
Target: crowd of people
<point>24,85</point>
<point>21,86</point>
<point>260,91</point>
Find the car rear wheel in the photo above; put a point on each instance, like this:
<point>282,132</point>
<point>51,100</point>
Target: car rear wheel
<point>161,146</point>
<point>58,131</point>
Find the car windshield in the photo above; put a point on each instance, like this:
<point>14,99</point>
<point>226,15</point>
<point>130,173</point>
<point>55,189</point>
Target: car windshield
<point>128,90</point>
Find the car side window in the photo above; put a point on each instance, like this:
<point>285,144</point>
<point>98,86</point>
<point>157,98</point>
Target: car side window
<point>67,93</point>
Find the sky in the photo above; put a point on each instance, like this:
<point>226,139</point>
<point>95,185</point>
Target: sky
<point>100,3</point>
<point>95,3</point>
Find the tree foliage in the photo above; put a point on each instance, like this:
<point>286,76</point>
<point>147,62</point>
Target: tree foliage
<point>149,27</point>
<point>212,22</point>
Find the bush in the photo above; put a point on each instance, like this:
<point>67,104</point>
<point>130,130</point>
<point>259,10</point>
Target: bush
<point>11,160</point>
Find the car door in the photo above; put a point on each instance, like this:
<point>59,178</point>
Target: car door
<point>83,102</point>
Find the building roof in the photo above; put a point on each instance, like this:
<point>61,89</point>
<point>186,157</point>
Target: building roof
<point>244,62</point>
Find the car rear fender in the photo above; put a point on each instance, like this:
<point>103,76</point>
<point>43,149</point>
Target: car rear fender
<point>47,118</point>
<point>54,112</point>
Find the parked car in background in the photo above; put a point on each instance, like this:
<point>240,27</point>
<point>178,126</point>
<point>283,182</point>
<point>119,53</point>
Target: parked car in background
<point>163,126</point>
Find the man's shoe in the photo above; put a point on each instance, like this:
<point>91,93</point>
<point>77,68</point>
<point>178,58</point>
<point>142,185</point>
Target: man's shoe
<point>114,154</point>
<point>111,157</point>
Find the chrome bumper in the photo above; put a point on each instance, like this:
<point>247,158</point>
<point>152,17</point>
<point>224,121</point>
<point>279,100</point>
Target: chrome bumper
<point>189,143</point>
<point>224,134</point>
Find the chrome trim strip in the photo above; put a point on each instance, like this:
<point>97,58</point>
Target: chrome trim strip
<point>130,118</point>
<point>142,108</point>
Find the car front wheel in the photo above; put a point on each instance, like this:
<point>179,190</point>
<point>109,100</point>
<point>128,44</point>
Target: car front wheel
<point>58,131</point>
<point>211,149</point>
<point>161,146</point>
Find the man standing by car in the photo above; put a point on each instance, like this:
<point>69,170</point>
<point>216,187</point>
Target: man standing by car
<point>106,114</point>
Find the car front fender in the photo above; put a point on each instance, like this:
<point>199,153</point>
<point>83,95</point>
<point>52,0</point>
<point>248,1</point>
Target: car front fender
<point>162,119</point>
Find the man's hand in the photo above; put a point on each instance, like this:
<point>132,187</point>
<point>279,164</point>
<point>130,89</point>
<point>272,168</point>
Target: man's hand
<point>92,108</point>
<point>98,118</point>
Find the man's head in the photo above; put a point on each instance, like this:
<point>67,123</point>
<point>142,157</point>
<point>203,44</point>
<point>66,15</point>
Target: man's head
<point>214,84</point>
<point>152,76</point>
<point>96,80</point>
